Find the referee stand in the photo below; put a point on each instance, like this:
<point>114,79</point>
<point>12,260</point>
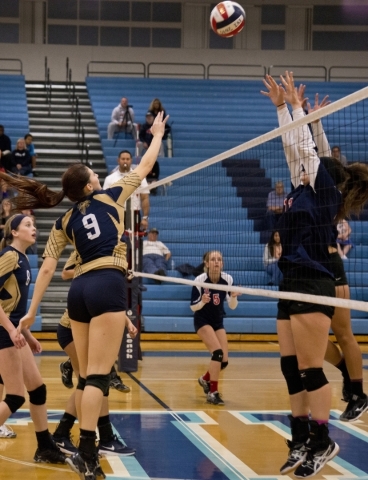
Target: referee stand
<point>130,351</point>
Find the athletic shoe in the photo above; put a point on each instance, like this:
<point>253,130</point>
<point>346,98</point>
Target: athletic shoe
<point>215,398</point>
<point>114,446</point>
<point>297,455</point>
<point>117,383</point>
<point>49,456</point>
<point>87,470</point>
<point>204,384</point>
<point>6,432</point>
<point>99,472</point>
<point>66,370</point>
<point>316,460</point>
<point>65,444</point>
<point>355,409</point>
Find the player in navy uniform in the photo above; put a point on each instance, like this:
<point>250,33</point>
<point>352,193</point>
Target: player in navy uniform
<point>305,229</point>
<point>96,299</point>
<point>17,363</point>
<point>208,307</point>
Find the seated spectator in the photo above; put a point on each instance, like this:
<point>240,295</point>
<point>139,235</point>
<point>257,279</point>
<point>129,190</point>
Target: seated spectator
<point>155,254</point>
<point>122,118</point>
<point>344,244</point>
<point>30,147</point>
<point>21,159</point>
<point>5,150</point>
<point>336,153</point>
<point>271,256</point>
<point>156,107</point>
<point>153,176</point>
<point>275,205</point>
<point>145,135</point>
<point>6,208</point>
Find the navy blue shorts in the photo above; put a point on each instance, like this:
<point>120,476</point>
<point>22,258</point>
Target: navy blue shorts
<point>5,340</point>
<point>64,336</point>
<point>337,268</point>
<point>201,322</point>
<point>97,292</point>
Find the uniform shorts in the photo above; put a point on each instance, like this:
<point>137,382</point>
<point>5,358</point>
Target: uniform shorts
<point>201,322</point>
<point>337,268</point>
<point>64,336</point>
<point>5,340</point>
<point>97,292</point>
<point>322,285</point>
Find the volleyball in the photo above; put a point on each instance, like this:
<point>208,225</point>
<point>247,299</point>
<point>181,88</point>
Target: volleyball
<point>227,19</point>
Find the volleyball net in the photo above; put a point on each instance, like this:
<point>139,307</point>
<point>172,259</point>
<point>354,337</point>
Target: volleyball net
<point>220,203</point>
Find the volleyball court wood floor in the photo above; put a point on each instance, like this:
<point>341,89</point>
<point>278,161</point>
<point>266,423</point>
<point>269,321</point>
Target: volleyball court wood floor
<point>178,435</point>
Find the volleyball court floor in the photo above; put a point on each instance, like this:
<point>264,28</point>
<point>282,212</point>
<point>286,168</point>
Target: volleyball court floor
<point>178,436</point>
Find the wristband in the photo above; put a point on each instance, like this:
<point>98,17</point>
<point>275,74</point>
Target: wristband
<point>281,104</point>
<point>145,217</point>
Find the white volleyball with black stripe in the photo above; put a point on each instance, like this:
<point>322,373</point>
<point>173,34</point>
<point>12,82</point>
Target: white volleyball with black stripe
<point>227,19</point>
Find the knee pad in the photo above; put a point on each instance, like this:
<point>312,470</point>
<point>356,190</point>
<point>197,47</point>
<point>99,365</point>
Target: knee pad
<point>290,370</point>
<point>1,380</point>
<point>224,365</point>
<point>14,402</point>
<point>99,381</point>
<point>38,396</point>
<point>81,383</point>
<point>313,378</point>
<point>217,355</point>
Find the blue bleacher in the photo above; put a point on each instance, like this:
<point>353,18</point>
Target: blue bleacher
<point>205,125</point>
<point>33,262</point>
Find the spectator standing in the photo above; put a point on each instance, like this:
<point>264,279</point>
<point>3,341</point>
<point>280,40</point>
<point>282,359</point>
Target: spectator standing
<point>6,207</point>
<point>271,255</point>
<point>275,205</point>
<point>5,149</point>
<point>155,254</point>
<point>140,197</point>
<point>21,159</point>
<point>344,244</point>
<point>156,107</point>
<point>31,149</point>
<point>336,153</point>
<point>122,118</point>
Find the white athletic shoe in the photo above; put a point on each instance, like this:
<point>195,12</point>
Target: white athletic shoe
<point>6,432</point>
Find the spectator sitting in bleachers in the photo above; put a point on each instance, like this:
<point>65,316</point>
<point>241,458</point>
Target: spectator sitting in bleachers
<point>6,207</point>
<point>336,153</point>
<point>30,147</point>
<point>156,107</point>
<point>275,205</point>
<point>271,255</point>
<point>21,159</point>
<point>155,254</point>
<point>122,118</point>
<point>5,149</point>
<point>344,244</point>
<point>145,135</point>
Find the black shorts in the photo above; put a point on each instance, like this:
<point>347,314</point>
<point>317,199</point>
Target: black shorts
<point>64,336</point>
<point>337,268</point>
<point>97,292</point>
<point>323,285</point>
<point>5,340</point>
<point>201,322</point>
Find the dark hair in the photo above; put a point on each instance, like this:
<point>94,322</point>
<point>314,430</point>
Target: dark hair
<point>271,243</point>
<point>153,110</point>
<point>352,181</point>
<point>2,126</point>
<point>336,146</point>
<point>8,236</point>
<point>34,194</point>
<point>27,135</point>
<point>125,151</point>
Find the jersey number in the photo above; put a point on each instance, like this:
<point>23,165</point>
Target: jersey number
<point>89,222</point>
<point>216,299</point>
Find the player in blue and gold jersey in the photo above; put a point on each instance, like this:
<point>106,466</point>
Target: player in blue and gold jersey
<point>96,300</point>
<point>17,363</point>
<point>208,307</point>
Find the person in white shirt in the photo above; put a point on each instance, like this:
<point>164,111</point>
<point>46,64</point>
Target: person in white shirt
<point>155,254</point>
<point>140,197</point>
<point>122,118</point>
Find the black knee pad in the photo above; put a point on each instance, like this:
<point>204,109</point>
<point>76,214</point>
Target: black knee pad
<point>14,402</point>
<point>290,370</point>
<point>1,380</point>
<point>217,355</point>
<point>313,378</point>
<point>224,365</point>
<point>38,396</point>
<point>81,383</point>
<point>99,381</point>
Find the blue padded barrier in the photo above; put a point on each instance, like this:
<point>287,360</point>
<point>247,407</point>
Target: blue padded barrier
<point>33,261</point>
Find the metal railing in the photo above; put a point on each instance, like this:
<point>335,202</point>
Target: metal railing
<point>48,87</point>
<point>18,70</point>
<point>314,72</point>
<point>78,125</point>
<point>182,71</point>
<point>344,73</point>
<point>239,71</point>
<point>131,69</point>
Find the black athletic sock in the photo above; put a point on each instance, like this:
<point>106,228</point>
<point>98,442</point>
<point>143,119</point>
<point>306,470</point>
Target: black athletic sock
<point>65,425</point>
<point>105,428</point>
<point>44,440</point>
<point>344,370</point>
<point>357,388</point>
<point>87,442</point>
